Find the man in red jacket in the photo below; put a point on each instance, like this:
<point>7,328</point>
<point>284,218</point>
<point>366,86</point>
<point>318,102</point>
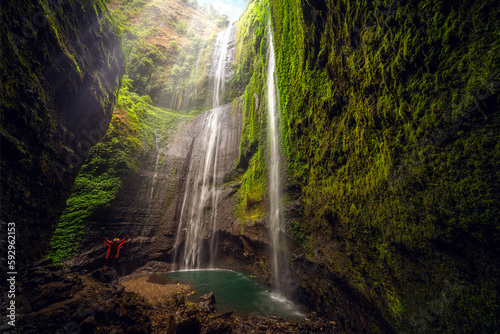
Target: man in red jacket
<point>113,250</point>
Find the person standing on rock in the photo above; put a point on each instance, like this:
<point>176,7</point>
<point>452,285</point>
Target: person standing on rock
<point>113,250</point>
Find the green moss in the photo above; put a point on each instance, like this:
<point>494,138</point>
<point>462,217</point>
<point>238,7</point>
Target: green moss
<point>251,69</point>
<point>131,134</point>
<point>46,104</point>
<point>297,232</point>
<point>390,128</point>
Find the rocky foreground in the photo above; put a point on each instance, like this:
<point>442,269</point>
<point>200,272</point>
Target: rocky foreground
<point>53,299</point>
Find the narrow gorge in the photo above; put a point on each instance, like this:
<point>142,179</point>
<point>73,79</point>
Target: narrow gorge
<point>273,166</point>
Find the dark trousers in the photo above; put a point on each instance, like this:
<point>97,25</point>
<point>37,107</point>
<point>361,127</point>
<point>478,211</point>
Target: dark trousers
<point>109,260</point>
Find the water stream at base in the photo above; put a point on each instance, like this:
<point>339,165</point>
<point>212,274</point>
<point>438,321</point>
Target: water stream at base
<point>201,193</point>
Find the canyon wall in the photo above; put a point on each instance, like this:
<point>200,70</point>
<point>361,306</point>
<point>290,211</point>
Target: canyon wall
<point>390,123</point>
<point>61,68</point>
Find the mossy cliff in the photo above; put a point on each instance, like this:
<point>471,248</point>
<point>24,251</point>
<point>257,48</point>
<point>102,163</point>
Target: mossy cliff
<point>389,133</point>
<point>168,44</point>
<point>390,122</point>
<point>61,67</point>
<point>251,55</point>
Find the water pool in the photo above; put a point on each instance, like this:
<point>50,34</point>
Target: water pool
<point>238,291</point>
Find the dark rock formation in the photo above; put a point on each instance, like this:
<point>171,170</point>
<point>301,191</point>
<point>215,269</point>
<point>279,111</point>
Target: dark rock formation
<point>207,302</point>
<point>61,67</point>
<point>73,303</point>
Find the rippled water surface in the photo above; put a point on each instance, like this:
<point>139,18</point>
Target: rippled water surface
<point>238,291</point>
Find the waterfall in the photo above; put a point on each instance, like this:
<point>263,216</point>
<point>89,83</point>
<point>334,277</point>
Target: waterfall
<point>221,54</point>
<point>199,209</point>
<point>156,170</point>
<point>146,228</point>
<point>276,221</point>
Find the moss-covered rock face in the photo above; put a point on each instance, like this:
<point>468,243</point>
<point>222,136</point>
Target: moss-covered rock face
<point>391,124</point>
<point>389,117</point>
<point>61,66</point>
<point>130,177</point>
<point>168,44</point>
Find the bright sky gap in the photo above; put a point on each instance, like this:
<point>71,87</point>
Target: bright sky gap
<point>231,8</point>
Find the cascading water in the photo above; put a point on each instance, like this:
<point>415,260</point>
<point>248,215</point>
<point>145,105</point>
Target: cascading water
<point>201,192</point>
<point>222,48</point>
<point>156,171</point>
<point>145,229</point>
<point>276,220</point>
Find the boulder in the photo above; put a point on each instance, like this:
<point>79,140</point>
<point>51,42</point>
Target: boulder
<point>104,275</point>
<point>219,328</point>
<point>191,325</point>
<point>207,303</point>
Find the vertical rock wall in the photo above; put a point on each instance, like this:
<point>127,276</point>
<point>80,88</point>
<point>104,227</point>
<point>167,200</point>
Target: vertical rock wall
<point>391,121</point>
<point>61,67</point>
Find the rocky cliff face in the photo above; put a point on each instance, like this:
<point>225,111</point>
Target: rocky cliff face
<point>148,206</point>
<point>391,122</point>
<point>61,66</point>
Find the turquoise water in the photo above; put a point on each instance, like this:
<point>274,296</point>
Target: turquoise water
<point>237,291</point>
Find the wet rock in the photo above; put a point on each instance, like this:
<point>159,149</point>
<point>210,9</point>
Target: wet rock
<point>71,278</point>
<point>53,267</point>
<point>57,274</point>
<point>42,262</point>
<point>120,310</point>
<point>192,311</point>
<point>88,325</point>
<point>104,275</point>
<point>219,328</point>
<point>38,273</point>
<point>207,303</point>
<point>51,293</point>
<point>119,290</point>
<point>77,303</point>
<point>22,304</point>
<point>33,282</point>
<point>154,266</point>
<point>224,315</point>
<point>7,329</point>
<point>172,326</point>
<point>180,300</point>
<point>191,325</point>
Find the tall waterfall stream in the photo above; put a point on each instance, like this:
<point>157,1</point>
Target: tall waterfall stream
<point>276,220</point>
<point>201,194</point>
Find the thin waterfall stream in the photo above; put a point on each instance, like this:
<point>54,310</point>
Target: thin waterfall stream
<point>200,219</point>
<point>276,220</point>
<point>153,183</point>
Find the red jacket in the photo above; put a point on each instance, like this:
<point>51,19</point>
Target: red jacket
<point>114,247</point>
